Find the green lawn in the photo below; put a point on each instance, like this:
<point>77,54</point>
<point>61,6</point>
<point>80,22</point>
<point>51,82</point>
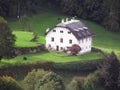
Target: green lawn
<point>23,39</point>
<point>50,56</point>
<point>39,22</point>
<point>104,39</point>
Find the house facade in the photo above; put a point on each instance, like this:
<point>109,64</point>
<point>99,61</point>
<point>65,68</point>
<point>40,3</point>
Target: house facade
<point>65,34</point>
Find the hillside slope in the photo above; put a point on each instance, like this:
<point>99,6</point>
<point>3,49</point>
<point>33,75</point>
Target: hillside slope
<point>105,40</point>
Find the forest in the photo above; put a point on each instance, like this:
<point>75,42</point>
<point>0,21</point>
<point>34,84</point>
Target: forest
<point>104,12</point>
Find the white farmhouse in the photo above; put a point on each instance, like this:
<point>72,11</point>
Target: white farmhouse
<point>67,33</point>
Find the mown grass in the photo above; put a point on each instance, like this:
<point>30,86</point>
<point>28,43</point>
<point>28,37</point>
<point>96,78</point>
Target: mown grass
<point>23,39</point>
<point>105,40</point>
<point>39,22</point>
<point>50,56</point>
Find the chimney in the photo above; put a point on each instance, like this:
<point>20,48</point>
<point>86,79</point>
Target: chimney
<point>73,18</point>
<point>62,21</point>
<point>66,19</point>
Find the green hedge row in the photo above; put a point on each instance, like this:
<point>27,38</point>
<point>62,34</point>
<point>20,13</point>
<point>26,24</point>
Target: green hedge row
<point>21,70</point>
<point>84,65</point>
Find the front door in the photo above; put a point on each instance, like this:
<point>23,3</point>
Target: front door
<point>57,48</point>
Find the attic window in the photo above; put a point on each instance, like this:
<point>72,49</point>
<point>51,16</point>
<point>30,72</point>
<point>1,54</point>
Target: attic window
<point>69,32</point>
<point>61,31</point>
<point>54,30</point>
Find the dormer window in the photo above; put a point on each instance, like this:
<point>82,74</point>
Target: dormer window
<point>61,31</point>
<point>69,32</point>
<point>54,30</point>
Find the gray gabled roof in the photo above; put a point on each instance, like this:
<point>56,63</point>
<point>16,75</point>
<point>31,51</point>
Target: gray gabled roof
<point>79,29</point>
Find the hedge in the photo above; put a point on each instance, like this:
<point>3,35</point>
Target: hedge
<point>21,70</point>
<point>84,65</point>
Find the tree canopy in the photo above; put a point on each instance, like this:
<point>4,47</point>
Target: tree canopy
<point>105,12</point>
<point>7,40</point>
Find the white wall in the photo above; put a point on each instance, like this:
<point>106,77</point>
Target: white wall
<point>83,43</point>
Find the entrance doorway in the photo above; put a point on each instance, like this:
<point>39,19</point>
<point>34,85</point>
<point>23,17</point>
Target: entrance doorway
<point>57,48</point>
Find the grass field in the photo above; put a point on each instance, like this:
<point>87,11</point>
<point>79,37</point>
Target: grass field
<point>105,40</point>
<point>50,56</point>
<point>23,39</point>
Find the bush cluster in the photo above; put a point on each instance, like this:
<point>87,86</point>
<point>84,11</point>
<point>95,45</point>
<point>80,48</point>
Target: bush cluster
<point>8,83</point>
<point>15,70</point>
<point>43,80</point>
<point>85,65</point>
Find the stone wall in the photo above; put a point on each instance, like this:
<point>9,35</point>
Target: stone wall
<point>29,50</point>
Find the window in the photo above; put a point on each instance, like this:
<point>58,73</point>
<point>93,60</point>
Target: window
<point>54,30</point>
<point>49,45</point>
<point>61,48</point>
<point>70,41</point>
<point>69,32</point>
<point>52,39</point>
<point>61,40</point>
<point>61,31</point>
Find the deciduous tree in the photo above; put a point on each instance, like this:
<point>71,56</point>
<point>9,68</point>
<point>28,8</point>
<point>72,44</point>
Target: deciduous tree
<point>50,81</point>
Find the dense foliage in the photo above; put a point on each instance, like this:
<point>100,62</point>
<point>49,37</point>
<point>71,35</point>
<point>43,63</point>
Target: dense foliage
<point>109,72</point>
<point>8,83</point>
<point>43,80</point>
<point>73,85</point>
<point>7,40</point>
<point>83,65</point>
<point>91,82</point>
<point>33,77</point>
<point>50,81</point>
<point>105,12</point>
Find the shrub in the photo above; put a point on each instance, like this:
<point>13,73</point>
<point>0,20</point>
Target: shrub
<point>31,80</point>
<point>74,49</point>
<point>73,85</point>
<point>91,82</point>
<point>109,71</point>
<point>83,65</point>
<point>79,80</point>
<point>50,81</point>
<point>8,83</point>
